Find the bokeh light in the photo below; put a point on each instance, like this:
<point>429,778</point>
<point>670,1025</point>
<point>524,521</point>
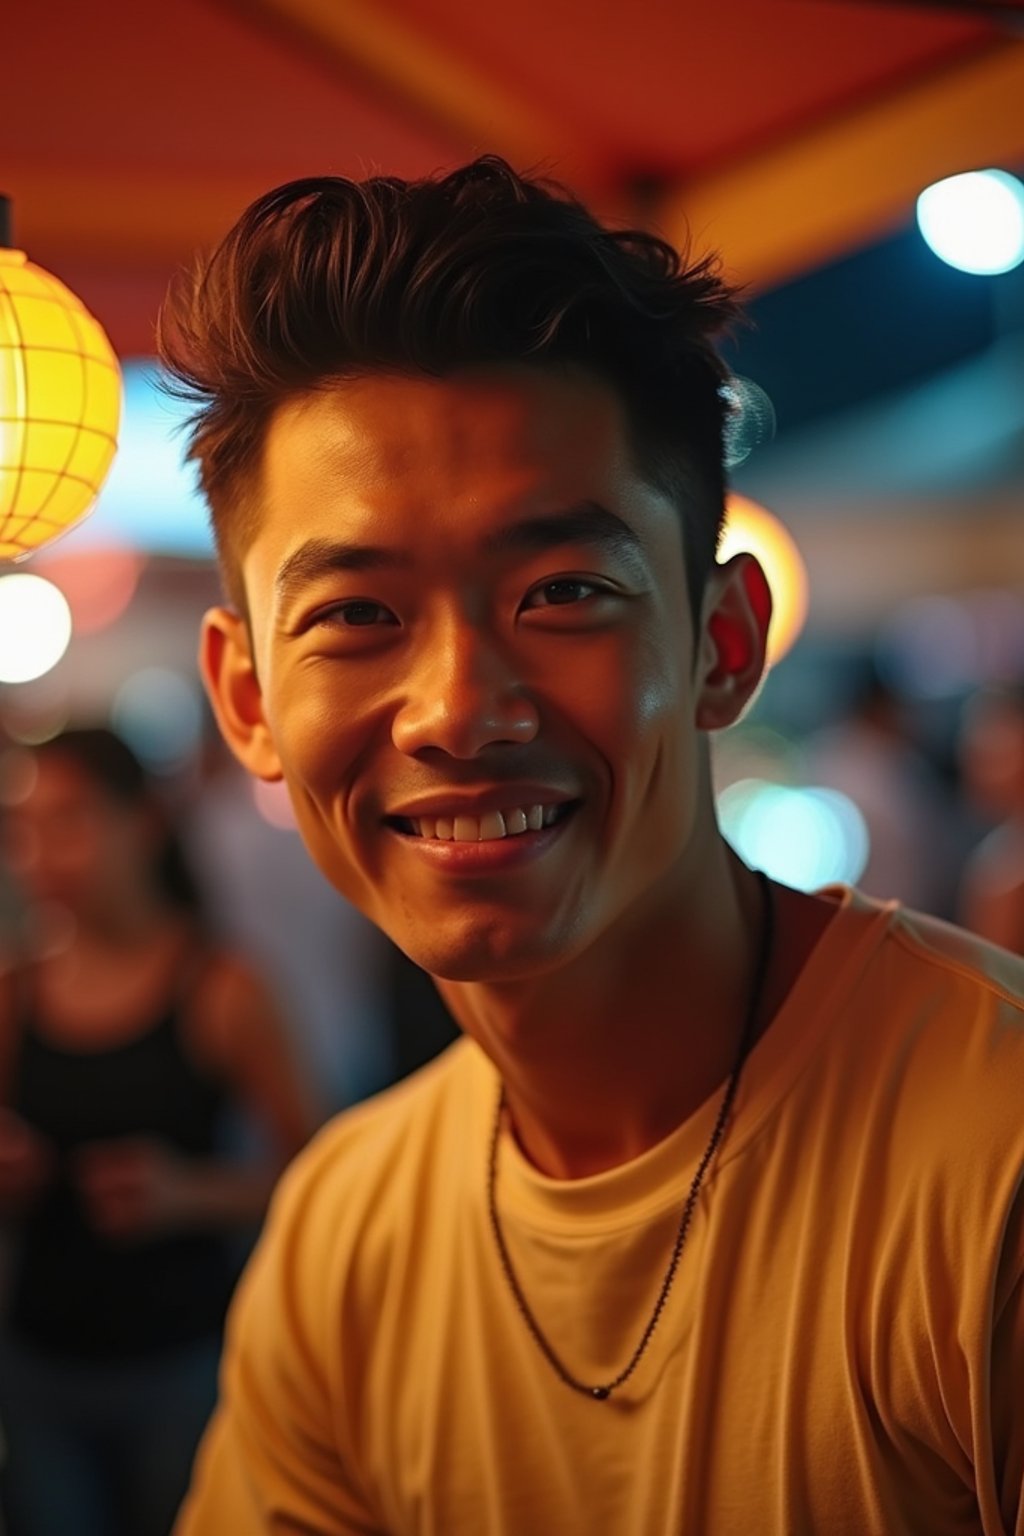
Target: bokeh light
<point>40,721</point>
<point>750,420</point>
<point>805,837</point>
<point>18,774</point>
<point>751,527</point>
<point>98,581</point>
<point>274,804</point>
<point>159,714</point>
<point>35,627</point>
<point>975,221</point>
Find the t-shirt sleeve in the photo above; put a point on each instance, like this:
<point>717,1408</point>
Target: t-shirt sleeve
<point>270,1463</point>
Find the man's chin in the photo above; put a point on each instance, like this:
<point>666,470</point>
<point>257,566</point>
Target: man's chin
<point>492,954</point>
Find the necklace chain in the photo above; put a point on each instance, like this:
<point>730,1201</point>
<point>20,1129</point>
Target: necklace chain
<point>605,1389</point>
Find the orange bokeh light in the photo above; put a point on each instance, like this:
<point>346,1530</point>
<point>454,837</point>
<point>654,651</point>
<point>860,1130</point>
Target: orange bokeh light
<point>99,582</point>
<point>751,527</point>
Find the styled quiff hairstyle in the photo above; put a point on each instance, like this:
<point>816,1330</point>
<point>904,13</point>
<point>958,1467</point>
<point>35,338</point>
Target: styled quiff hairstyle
<point>325,279</point>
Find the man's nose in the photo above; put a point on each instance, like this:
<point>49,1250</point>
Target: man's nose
<point>463,694</point>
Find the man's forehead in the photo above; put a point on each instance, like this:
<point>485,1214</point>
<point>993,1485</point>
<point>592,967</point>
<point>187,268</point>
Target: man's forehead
<point>495,463</point>
<point>383,425</point>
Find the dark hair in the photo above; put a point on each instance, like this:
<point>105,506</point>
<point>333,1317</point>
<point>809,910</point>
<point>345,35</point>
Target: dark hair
<point>112,767</point>
<point>326,278</point>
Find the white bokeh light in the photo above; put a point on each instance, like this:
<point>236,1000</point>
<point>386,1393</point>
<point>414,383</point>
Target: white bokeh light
<point>35,627</point>
<point>975,221</point>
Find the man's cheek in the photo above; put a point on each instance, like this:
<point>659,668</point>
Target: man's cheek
<point>332,847</point>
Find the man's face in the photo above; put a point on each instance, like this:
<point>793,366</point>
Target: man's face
<point>469,615</point>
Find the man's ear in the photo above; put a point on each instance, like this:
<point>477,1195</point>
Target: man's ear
<point>736,613</point>
<point>229,676</point>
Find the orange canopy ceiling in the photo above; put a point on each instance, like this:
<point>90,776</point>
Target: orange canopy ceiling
<point>783,131</point>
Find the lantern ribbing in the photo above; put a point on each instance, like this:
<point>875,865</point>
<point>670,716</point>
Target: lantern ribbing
<point>60,403</point>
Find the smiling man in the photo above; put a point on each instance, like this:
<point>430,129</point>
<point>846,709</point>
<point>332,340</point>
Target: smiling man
<point>679,1237</point>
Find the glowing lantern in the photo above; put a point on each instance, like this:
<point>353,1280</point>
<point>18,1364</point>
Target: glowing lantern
<point>749,526</point>
<point>60,404</point>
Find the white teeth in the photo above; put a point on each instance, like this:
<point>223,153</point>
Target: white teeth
<point>489,827</point>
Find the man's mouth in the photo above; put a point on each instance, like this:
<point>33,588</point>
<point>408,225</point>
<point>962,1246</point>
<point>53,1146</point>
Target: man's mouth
<point>513,821</point>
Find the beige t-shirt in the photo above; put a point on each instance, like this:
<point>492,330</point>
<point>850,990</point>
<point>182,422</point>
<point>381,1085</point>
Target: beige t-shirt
<point>842,1352</point>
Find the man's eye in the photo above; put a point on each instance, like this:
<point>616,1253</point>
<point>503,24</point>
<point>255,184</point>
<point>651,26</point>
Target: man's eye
<point>562,592</point>
<point>359,613</point>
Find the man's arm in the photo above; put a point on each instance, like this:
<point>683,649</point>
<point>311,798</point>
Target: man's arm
<point>270,1463</point>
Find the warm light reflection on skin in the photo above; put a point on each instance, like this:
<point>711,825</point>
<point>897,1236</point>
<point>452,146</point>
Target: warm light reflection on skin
<point>752,527</point>
<point>446,648</point>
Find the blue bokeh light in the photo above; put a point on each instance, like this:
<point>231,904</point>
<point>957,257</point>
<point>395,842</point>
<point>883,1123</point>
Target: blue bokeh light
<point>805,837</point>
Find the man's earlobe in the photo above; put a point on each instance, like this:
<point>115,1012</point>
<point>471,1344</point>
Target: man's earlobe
<point>733,639</point>
<point>229,676</point>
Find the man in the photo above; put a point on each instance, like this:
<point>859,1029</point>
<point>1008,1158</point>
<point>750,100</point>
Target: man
<point>712,1221</point>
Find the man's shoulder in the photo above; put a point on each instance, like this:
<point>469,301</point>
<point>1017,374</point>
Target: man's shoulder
<point>938,1016</point>
<point>968,963</point>
<point>386,1151</point>
<point>921,1020</point>
<point>873,942</point>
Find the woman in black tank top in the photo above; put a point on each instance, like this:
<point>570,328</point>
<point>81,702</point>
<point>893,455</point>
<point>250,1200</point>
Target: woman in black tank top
<point>122,1042</point>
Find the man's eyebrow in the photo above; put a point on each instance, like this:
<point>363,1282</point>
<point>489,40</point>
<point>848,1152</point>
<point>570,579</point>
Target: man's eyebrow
<point>321,557</point>
<point>586,523</point>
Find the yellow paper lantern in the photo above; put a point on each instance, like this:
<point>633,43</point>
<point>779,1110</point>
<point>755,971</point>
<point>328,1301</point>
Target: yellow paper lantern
<point>60,406</point>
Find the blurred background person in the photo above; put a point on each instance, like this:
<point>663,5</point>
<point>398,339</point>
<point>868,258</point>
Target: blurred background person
<point>992,761</point>
<point>871,755</point>
<point>126,1034</point>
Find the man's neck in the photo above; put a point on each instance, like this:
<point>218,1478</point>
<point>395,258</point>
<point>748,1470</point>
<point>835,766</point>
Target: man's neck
<point>607,1056</point>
